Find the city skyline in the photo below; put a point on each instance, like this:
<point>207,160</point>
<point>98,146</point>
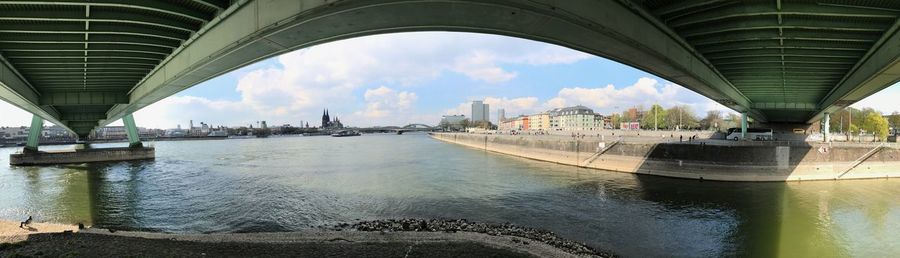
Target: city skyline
<point>397,79</point>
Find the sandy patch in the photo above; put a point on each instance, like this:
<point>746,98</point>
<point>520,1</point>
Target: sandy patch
<point>10,231</point>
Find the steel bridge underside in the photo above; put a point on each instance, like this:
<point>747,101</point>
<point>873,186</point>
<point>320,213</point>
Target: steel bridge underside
<point>85,64</point>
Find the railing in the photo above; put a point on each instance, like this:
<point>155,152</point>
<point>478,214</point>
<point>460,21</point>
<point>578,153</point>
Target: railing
<point>861,159</point>
<point>600,152</point>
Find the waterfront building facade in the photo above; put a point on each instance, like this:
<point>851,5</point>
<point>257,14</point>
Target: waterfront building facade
<point>577,118</point>
<point>453,122</point>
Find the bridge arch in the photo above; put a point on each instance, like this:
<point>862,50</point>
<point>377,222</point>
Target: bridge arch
<point>251,31</point>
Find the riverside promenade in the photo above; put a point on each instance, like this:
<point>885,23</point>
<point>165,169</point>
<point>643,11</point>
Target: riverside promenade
<point>701,159</point>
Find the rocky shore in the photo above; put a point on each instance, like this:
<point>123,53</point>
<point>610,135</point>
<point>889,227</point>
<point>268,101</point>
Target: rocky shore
<point>379,238</point>
<point>462,225</point>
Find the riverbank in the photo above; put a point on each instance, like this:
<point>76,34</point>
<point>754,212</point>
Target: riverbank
<point>704,160</point>
<point>10,232</point>
<point>364,239</point>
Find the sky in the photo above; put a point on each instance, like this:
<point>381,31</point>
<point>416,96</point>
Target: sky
<point>404,78</point>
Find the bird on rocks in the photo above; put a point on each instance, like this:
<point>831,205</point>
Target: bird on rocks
<point>27,222</point>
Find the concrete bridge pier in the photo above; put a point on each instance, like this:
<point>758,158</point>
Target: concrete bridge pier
<point>134,138</point>
<point>34,134</point>
<point>80,154</point>
<point>826,127</point>
<point>743,125</point>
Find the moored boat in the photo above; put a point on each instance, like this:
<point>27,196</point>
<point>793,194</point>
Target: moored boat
<point>345,134</point>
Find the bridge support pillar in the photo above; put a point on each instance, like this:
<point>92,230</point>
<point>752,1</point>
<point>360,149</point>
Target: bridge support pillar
<point>826,127</point>
<point>134,138</point>
<point>34,134</point>
<point>744,125</point>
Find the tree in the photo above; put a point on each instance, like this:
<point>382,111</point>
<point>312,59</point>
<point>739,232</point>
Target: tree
<point>733,121</point>
<point>713,120</point>
<point>681,117</point>
<point>444,124</point>
<point>615,120</point>
<point>655,118</point>
<point>876,124</point>
<point>465,123</point>
<point>895,120</point>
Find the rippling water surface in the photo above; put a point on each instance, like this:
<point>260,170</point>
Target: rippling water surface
<point>295,183</point>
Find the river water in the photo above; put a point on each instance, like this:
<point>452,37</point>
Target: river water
<point>296,183</point>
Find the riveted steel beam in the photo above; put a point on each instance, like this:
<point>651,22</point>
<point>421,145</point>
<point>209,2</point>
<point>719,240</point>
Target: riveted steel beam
<point>771,24</point>
<point>80,40</point>
<point>217,5</point>
<point>785,9</point>
<point>91,54</point>
<point>770,35</point>
<point>24,58</point>
<point>681,6</point>
<point>786,44</point>
<point>96,28</point>
<point>272,27</point>
<point>784,105</point>
<point>82,124</point>
<point>81,47</point>
<point>89,61</point>
<point>78,98</point>
<point>878,69</point>
<point>154,6</point>
<point>97,15</point>
<point>95,116</point>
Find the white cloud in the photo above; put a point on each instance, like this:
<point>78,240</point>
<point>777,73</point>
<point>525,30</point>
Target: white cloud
<point>303,82</point>
<point>604,100</point>
<point>383,101</point>
<point>512,106</point>
<point>645,92</point>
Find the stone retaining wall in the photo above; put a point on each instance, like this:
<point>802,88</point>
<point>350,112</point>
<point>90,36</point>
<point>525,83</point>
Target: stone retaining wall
<point>708,162</point>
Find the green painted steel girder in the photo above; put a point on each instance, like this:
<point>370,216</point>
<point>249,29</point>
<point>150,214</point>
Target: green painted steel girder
<point>155,6</point>
<point>762,58</point>
<point>775,35</point>
<point>785,9</point>
<point>81,47</point>
<point>767,23</point>
<point>783,105</point>
<point>20,38</point>
<point>96,28</point>
<point>82,124</point>
<point>787,44</point>
<point>91,54</point>
<point>95,116</point>
<point>681,6</point>
<point>97,15</point>
<point>80,98</point>
<point>582,25</point>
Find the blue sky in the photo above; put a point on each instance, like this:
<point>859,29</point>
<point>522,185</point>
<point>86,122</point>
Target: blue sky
<point>396,79</point>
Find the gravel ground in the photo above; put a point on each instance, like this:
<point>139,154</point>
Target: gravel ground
<point>462,225</point>
<point>381,238</point>
<point>100,245</point>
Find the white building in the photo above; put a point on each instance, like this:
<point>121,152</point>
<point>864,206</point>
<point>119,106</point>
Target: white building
<point>480,111</point>
<point>577,118</point>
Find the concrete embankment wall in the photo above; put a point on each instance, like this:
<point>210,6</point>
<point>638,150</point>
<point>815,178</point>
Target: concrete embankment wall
<point>82,156</point>
<point>683,160</point>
